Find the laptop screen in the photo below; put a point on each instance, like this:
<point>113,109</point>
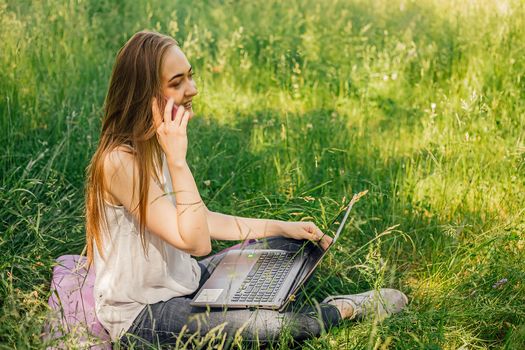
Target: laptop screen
<point>316,253</point>
<point>340,219</point>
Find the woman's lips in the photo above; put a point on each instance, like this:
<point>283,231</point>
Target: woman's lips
<point>187,106</point>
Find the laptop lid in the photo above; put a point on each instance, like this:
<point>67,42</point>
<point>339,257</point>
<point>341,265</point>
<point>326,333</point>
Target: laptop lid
<point>316,253</point>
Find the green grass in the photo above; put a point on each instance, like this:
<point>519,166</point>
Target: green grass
<point>301,103</point>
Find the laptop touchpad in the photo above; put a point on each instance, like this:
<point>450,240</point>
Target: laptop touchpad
<point>209,295</point>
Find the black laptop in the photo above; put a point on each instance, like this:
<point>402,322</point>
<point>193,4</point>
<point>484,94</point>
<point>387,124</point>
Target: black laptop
<point>265,278</point>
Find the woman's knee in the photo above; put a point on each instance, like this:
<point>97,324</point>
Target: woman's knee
<point>268,326</point>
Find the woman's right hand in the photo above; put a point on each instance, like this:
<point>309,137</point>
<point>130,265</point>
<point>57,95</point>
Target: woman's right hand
<point>172,133</point>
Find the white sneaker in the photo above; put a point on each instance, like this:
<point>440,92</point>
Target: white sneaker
<point>380,303</point>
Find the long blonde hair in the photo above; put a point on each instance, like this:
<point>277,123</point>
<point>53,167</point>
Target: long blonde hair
<point>128,120</point>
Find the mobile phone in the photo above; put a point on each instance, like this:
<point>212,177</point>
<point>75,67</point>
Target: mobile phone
<point>174,110</point>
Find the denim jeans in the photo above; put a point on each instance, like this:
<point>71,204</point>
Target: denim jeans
<point>175,322</point>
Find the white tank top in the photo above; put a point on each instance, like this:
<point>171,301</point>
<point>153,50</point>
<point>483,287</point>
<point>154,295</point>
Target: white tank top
<point>127,280</point>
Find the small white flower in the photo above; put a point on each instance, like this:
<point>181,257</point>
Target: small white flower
<point>393,76</point>
<point>500,283</point>
<point>385,77</point>
<point>207,182</point>
<point>433,106</point>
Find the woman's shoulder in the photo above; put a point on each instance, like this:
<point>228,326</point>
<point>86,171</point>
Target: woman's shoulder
<point>118,169</point>
<point>119,158</point>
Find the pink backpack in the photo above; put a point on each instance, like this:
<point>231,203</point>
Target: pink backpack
<point>73,320</point>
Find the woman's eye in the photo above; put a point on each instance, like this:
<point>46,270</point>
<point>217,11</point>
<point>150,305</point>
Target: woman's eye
<point>177,85</point>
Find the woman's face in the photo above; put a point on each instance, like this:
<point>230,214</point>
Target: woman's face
<point>177,79</point>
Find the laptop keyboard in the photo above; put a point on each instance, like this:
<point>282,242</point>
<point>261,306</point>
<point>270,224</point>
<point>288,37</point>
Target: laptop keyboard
<point>265,278</point>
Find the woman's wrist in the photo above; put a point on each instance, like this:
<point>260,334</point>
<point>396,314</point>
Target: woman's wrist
<point>267,228</point>
<point>277,228</point>
<point>176,163</point>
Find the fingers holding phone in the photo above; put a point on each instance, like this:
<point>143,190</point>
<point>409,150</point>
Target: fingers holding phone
<point>177,108</point>
<point>181,116</point>
<point>171,130</point>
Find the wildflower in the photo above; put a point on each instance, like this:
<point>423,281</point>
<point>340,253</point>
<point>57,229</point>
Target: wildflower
<point>207,182</point>
<point>500,283</point>
<point>433,106</point>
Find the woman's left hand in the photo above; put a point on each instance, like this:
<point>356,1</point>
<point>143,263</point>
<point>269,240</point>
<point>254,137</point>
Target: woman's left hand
<point>306,230</point>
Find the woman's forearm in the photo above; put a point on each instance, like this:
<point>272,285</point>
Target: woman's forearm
<point>229,227</point>
<point>191,211</point>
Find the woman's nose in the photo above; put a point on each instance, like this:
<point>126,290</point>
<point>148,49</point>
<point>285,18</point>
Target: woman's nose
<point>192,89</point>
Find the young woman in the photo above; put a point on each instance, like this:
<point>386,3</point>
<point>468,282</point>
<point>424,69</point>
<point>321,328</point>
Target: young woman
<point>145,218</point>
